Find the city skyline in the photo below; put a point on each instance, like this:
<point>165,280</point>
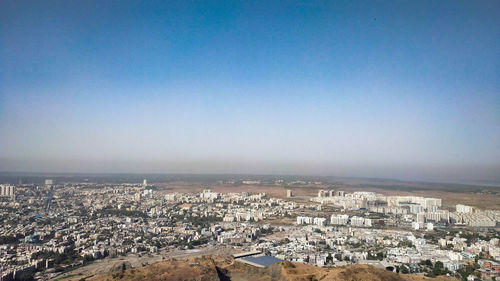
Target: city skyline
<point>365,89</point>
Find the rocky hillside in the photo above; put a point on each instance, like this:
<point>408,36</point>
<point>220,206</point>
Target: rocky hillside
<point>218,269</point>
<point>287,271</point>
<point>198,269</point>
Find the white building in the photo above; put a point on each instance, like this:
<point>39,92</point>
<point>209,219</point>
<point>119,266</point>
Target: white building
<point>322,193</point>
<point>171,196</point>
<point>359,221</point>
<point>430,226</point>
<point>208,194</point>
<point>304,220</point>
<point>339,219</point>
<point>420,217</point>
<point>319,221</point>
<point>7,190</point>
<point>147,192</point>
<point>463,208</point>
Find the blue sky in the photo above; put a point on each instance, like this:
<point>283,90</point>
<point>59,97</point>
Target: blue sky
<point>402,89</point>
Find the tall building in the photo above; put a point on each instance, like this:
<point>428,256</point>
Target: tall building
<point>144,183</point>
<point>421,217</point>
<point>339,219</point>
<point>7,190</point>
<point>304,220</point>
<point>321,193</point>
<point>208,194</point>
<point>49,182</point>
<point>357,221</point>
<point>138,196</point>
<point>289,193</point>
<point>463,208</point>
<point>319,221</point>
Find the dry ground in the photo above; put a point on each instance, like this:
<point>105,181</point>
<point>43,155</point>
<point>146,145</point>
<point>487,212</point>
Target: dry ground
<point>135,261</point>
<point>216,269</point>
<point>450,199</point>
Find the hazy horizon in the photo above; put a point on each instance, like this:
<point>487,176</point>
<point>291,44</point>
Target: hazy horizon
<point>358,89</point>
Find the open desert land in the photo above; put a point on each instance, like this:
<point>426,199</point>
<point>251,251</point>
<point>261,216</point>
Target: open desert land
<point>450,199</point>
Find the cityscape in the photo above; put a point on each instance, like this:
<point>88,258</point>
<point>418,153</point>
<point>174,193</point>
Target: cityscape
<point>277,140</point>
<point>54,228</point>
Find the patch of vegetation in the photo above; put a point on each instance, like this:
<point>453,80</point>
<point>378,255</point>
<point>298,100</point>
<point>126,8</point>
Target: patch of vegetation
<point>8,240</point>
<point>68,257</point>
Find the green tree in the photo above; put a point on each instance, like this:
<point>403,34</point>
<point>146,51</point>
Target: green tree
<point>426,263</point>
<point>329,258</point>
<point>439,269</point>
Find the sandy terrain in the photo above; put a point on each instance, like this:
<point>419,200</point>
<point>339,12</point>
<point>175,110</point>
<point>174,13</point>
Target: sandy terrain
<point>450,199</point>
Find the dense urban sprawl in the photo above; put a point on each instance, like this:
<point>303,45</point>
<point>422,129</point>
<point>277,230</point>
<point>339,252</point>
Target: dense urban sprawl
<point>51,228</point>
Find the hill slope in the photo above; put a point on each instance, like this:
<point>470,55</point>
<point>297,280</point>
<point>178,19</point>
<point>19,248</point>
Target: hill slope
<point>218,269</point>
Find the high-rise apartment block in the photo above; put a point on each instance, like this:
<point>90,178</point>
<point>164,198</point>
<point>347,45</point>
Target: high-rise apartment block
<point>7,190</point>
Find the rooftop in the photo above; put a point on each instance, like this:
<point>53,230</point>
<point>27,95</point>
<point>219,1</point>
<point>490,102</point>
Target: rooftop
<point>260,261</point>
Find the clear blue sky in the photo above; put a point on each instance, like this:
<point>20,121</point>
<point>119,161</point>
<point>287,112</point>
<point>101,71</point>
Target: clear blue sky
<point>401,89</point>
